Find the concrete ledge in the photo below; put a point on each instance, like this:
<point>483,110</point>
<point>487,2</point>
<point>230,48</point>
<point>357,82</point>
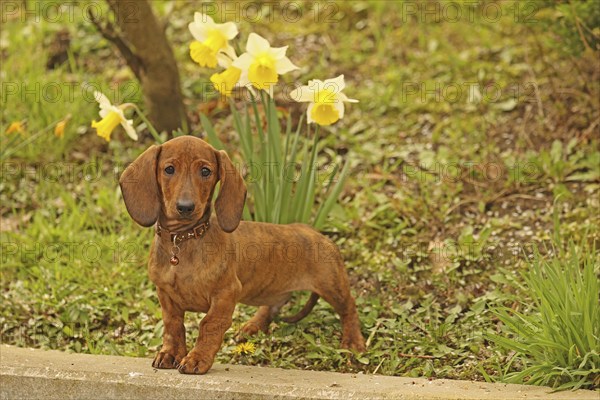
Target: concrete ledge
<point>28,373</point>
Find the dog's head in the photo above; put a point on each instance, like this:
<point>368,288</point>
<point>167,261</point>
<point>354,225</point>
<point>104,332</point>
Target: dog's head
<point>176,181</point>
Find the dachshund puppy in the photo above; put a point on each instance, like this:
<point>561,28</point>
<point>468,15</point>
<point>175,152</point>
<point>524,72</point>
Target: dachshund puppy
<point>205,264</point>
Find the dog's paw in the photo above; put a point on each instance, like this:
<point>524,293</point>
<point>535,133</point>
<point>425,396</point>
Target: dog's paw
<point>357,345</point>
<point>249,329</point>
<point>165,360</point>
<point>194,363</point>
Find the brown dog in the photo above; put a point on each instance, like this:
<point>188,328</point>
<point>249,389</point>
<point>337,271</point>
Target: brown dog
<point>208,265</point>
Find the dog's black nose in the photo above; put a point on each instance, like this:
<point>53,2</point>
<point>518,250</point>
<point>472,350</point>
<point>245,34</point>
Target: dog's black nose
<point>185,207</point>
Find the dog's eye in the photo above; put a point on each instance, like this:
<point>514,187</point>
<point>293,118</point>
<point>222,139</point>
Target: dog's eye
<point>170,170</point>
<point>205,172</point>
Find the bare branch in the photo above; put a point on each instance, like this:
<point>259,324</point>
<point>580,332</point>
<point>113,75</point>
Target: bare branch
<point>108,32</point>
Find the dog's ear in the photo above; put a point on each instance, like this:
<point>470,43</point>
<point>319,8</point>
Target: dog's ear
<point>232,195</point>
<point>140,188</point>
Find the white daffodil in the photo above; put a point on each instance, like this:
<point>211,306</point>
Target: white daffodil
<point>211,38</point>
<point>326,100</point>
<point>112,117</point>
<point>262,64</point>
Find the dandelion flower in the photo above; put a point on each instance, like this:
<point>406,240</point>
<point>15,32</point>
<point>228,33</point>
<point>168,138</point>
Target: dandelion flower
<point>326,100</point>
<point>245,349</point>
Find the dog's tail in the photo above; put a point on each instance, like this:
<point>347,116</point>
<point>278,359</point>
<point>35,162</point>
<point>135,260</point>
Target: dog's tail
<point>310,304</point>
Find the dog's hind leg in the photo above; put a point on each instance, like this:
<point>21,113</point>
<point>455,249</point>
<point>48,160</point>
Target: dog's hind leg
<point>338,295</point>
<point>262,319</point>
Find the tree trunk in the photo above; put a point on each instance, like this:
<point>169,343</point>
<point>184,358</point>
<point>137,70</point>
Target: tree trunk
<point>144,46</point>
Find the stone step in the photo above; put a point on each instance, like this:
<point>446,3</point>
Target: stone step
<point>29,373</point>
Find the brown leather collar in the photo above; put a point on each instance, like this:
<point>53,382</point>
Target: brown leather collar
<point>177,237</point>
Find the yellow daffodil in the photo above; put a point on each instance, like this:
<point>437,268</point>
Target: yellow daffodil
<point>226,81</point>
<point>262,64</point>
<point>326,100</point>
<point>112,117</point>
<point>16,127</point>
<point>246,348</point>
<point>211,38</point>
<point>59,129</point>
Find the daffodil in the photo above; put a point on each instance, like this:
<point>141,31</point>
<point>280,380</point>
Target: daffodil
<point>226,81</point>
<point>16,127</point>
<point>326,100</point>
<point>112,117</point>
<point>211,38</point>
<point>262,64</point>
<point>246,348</point>
<point>59,129</point>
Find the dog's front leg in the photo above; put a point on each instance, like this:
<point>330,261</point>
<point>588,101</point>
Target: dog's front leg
<point>212,329</point>
<point>173,349</point>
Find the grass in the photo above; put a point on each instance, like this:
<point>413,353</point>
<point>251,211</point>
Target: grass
<point>556,338</point>
<point>447,192</point>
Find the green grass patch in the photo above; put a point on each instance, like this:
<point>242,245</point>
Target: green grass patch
<point>556,336</point>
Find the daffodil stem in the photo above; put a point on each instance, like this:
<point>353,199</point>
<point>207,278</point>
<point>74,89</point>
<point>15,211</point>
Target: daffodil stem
<point>151,128</point>
<point>267,139</point>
